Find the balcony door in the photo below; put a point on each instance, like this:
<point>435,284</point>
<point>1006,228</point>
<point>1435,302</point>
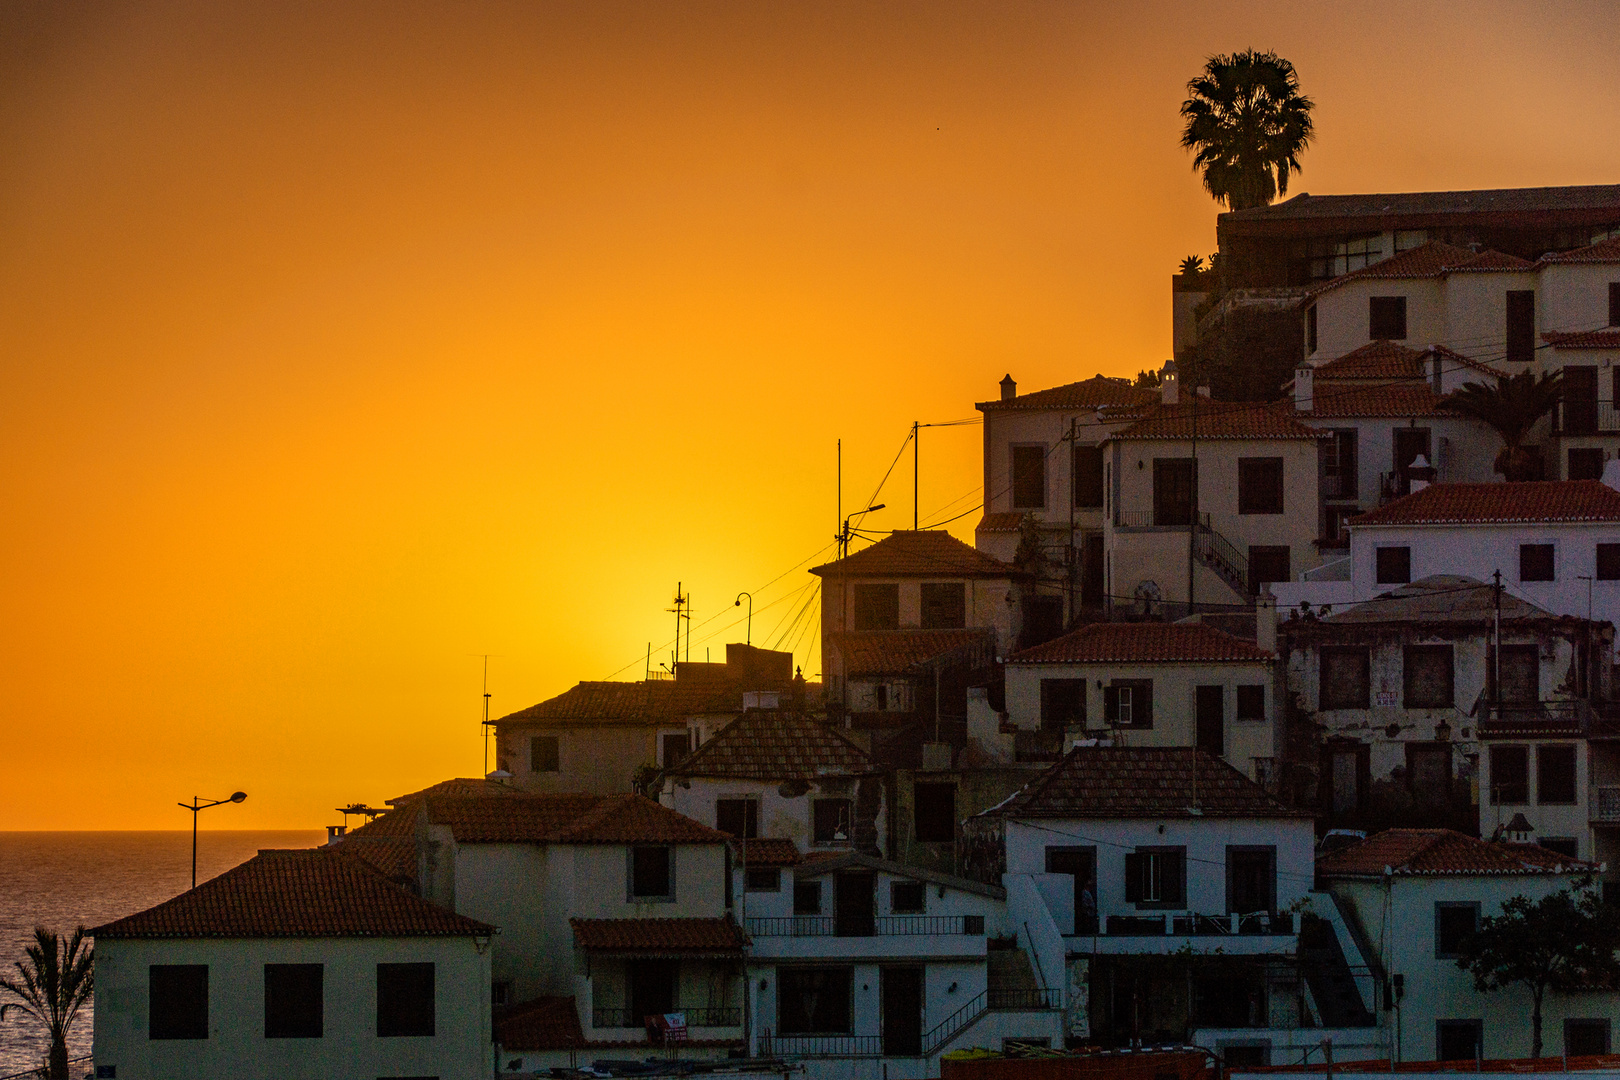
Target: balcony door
<point>652,989</point>
<point>902,1011</point>
<point>1081,863</point>
<point>855,912</point>
<point>1210,704</point>
<point>1172,491</point>
<point>1580,399</point>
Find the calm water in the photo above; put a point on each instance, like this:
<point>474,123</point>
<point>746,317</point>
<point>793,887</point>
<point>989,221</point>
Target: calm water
<point>63,879</point>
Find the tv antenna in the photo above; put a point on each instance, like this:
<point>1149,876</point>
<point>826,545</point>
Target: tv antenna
<point>681,610</point>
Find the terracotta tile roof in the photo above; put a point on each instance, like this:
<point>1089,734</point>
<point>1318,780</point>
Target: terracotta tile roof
<point>543,1023</point>
<point>1221,420</point>
<point>1414,209</point>
<point>1375,360</point>
<point>1502,503</point>
<point>1143,643</point>
<point>393,857</point>
<point>1142,782</point>
<point>893,652</point>
<point>678,937</point>
<point>770,851</point>
<point>653,702</point>
<point>772,745</point>
<point>1440,852</point>
<point>1397,399</point>
<point>1453,360</point>
<point>1604,251</point>
<point>461,788</point>
<point>314,893</point>
<point>1430,260</point>
<point>1449,598</point>
<point>932,553</point>
<point>568,819</point>
<point>1093,393</point>
<point>1004,522</point>
<point>1590,339</point>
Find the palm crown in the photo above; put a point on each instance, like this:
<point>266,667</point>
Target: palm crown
<point>1248,123</point>
<point>51,988</point>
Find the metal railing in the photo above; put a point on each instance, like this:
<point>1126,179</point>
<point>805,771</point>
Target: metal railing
<point>609,1017</point>
<point>1222,556</point>
<point>1605,803</point>
<point>1193,924</point>
<point>885,926</point>
<point>1586,417</point>
<point>1338,485</point>
<point>820,1045</point>
<point>998,1000</point>
<point>1528,718</point>
<point>1152,519</point>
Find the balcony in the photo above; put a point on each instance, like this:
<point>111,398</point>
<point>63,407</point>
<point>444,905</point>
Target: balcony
<point>931,1042</point>
<point>607,1017</point>
<point>1549,719</point>
<point>1338,485</point>
<point>1586,417</point>
<point>1192,924</point>
<point>801,926</point>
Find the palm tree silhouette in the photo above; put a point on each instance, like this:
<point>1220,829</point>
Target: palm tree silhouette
<point>1248,123</point>
<point>1510,406</point>
<point>52,986</point>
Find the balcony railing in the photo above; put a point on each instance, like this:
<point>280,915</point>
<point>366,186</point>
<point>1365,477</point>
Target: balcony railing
<point>1528,719</point>
<point>1586,417</point>
<point>1338,485</point>
<point>607,1017</point>
<point>1192,924</point>
<point>886,926</point>
<point>1605,804</point>
<point>792,1046</point>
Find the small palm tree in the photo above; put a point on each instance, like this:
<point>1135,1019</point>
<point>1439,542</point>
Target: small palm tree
<point>1248,123</point>
<point>1192,265</point>
<point>52,986</point>
<point>1511,407</point>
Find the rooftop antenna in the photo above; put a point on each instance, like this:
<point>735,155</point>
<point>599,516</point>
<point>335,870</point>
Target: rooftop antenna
<point>683,604</point>
<point>486,714</point>
<point>916,472</point>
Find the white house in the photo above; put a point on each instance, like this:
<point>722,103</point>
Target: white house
<point>294,964</point>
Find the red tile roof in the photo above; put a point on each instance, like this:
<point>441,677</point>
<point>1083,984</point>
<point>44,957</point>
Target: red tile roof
<point>1003,522</point>
<point>1093,393</point>
<point>1430,260</point>
<point>931,553</point>
<point>1375,360</point>
<point>461,788</point>
<point>544,1023</point>
<point>1330,399</point>
<point>1142,782</point>
<point>892,652</point>
<point>771,745</point>
<point>1590,339</point>
<point>568,819</point>
<point>1485,504</point>
<point>314,893</point>
<point>1420,209</point>
<point>1143,643</point>
<point>650,703</point>
<point>675,937</point>
<point>770,851</point>
<point>1442,851</point>
<point>1220,420</point>
<point>1604,251</point>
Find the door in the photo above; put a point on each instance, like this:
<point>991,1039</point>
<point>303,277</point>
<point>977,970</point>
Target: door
<point>1211,713</point>
<point>902,1011</point>
<point>856,907</point>
<point>1091,575</point>
<point>1082,863</point>
<point>1172,491</point>
<point>1580,400</point>
<point>1409,443</point>
<point>652,989</point>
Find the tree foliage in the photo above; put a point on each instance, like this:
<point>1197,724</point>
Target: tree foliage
<point>1247,124</point>
<point>51,986</point>
<point>1511,407</point>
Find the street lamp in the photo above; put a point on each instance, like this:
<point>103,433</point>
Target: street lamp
<point>197,805</point>
<point>749,638</point>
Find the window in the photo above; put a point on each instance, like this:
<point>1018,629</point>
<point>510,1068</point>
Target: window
<point>763,879</point>
<point>1251,879</point>
<point>738,817</point>
<point>1608,562</point>
<point>1427,676</point>
<point>1310,330</point>
<point>830,824</point>
<point>1346,677</point>
<point>1156,877</point>
<point>1535,562</point>
<point>944,605</point>
<point>1063,703</point>
<point>543,754</point>
<point>1428,772</point>
<point>1268,563</point>
<point>1454,923</point>
<point>807,898</point>
<point>404,1000</point>
<point>1260,485</point>
<point>177,1001</point>
<point>1555,774</point>
<point>1394,565</point>
<point>500,993</point>
<point>1520,668</point>
<point>651,876</point>
<point>907,897</point>
<point>292,1001</point>
<point>1587,1038</point>
<point>1172,491</point>
<point>1579,400</point>
<point>1339,465</point>
<point>1088,476</point>
<point>1585,463</point>
<point>814,1000</point>
<point>1510,775</point>
<point>1129,703</point>
<point>1029,477</point>
<point>1458,1040</point>
<point>1521,325</point>
<point>1209,719</point>
<point>1564,845</point>
<point>1347,769</point>
<point>934,810</point>
<point>1386,318</point>
<point>674,746</point>
<point>1614,303</point>
<point>1251,702</point>
<point>877,607</point>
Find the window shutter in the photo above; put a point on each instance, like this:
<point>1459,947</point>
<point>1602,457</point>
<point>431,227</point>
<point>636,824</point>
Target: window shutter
<point>1111,706</point>
<point>1133,878</point>
<point>1173,875</point>
<point>1144,705</point>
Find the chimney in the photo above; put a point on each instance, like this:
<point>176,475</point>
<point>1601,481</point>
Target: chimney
<point>1169,387</point>
<point>1419,474</point>
<point>1611,473</point>
<point>1265,622</point>
<point>1009,389</point>
<point>1304,388</point>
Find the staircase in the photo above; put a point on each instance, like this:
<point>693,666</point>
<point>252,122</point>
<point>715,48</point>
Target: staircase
<point>1010,978</point>
<point>1222,556</point>
<point>1328,975</point>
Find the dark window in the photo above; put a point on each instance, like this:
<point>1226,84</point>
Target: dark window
<point>292,1001</point>
<point>1394,565</point>
<point>763,879</point>
<point>1209,717</point>
<point>1310,330</point>
<point>807,898</point>
<point>1555,774</point>
<point>1535,562</point>
<point>1260,485</point>
<point>1563,845</point>
<point>1268,563</point>
<point>1510,775</point>
<point>877,607</point>
<point>1347,772</point>
<point>738,817</point>
<point>1588,1038</point>
<point>177,1001</point>
<point>1521,325</point>
<point>1520,667</point>
<point>1088,476</point>
<point>543,755</point>
<point>814,1000</point>
<point>1129,703</point>
<point>1346,677</point>
<point>1428,677</point>
<point>1428,772</point>
<point>1386,318</point>
<point>1339,465</point>
<point>675,746</point>
<point>1251,879</point>
<point>1614,303</point>
<point>650,873</point>
<point>831,820</point>
<point>1454,923</point>
<point>652,988</point>
<point>1585,463</point>
<point>1172,491</point>
<point>944,605</point>
<point>1251,702</point>
<point>1249,1054</point>
<point>1063,703</point>
<point>1042,620</point>
<point>934,808</point>
<point>1156,877</point>
<point>1608,562</point>
<point>1458,1040</point>
<point>907,897</point>
<point>1029,477</point>
<point>1580,400</point>
<point>1334,532</point>
<point>404,1000</point>
<point>500,993</point>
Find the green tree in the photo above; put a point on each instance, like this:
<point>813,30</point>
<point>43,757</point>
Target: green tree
<point>1247,124</point>
<point>54,983</point>
<point>1560,942</point>
<point>1511,407</point>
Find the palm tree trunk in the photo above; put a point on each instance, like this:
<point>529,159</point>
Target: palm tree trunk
<point>58,1069</point>
<point>1535,1021</point>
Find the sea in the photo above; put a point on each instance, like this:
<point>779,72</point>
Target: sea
<point>61,880</point>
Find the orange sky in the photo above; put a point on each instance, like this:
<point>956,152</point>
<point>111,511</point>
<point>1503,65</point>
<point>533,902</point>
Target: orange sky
<point>342,343</point>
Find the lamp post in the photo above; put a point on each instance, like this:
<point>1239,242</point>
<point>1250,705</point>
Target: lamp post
<point>749,638</point>
<point>197,805</point>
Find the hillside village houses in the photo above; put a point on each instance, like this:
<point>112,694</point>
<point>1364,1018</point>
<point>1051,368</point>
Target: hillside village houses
<point>1066,786</point>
